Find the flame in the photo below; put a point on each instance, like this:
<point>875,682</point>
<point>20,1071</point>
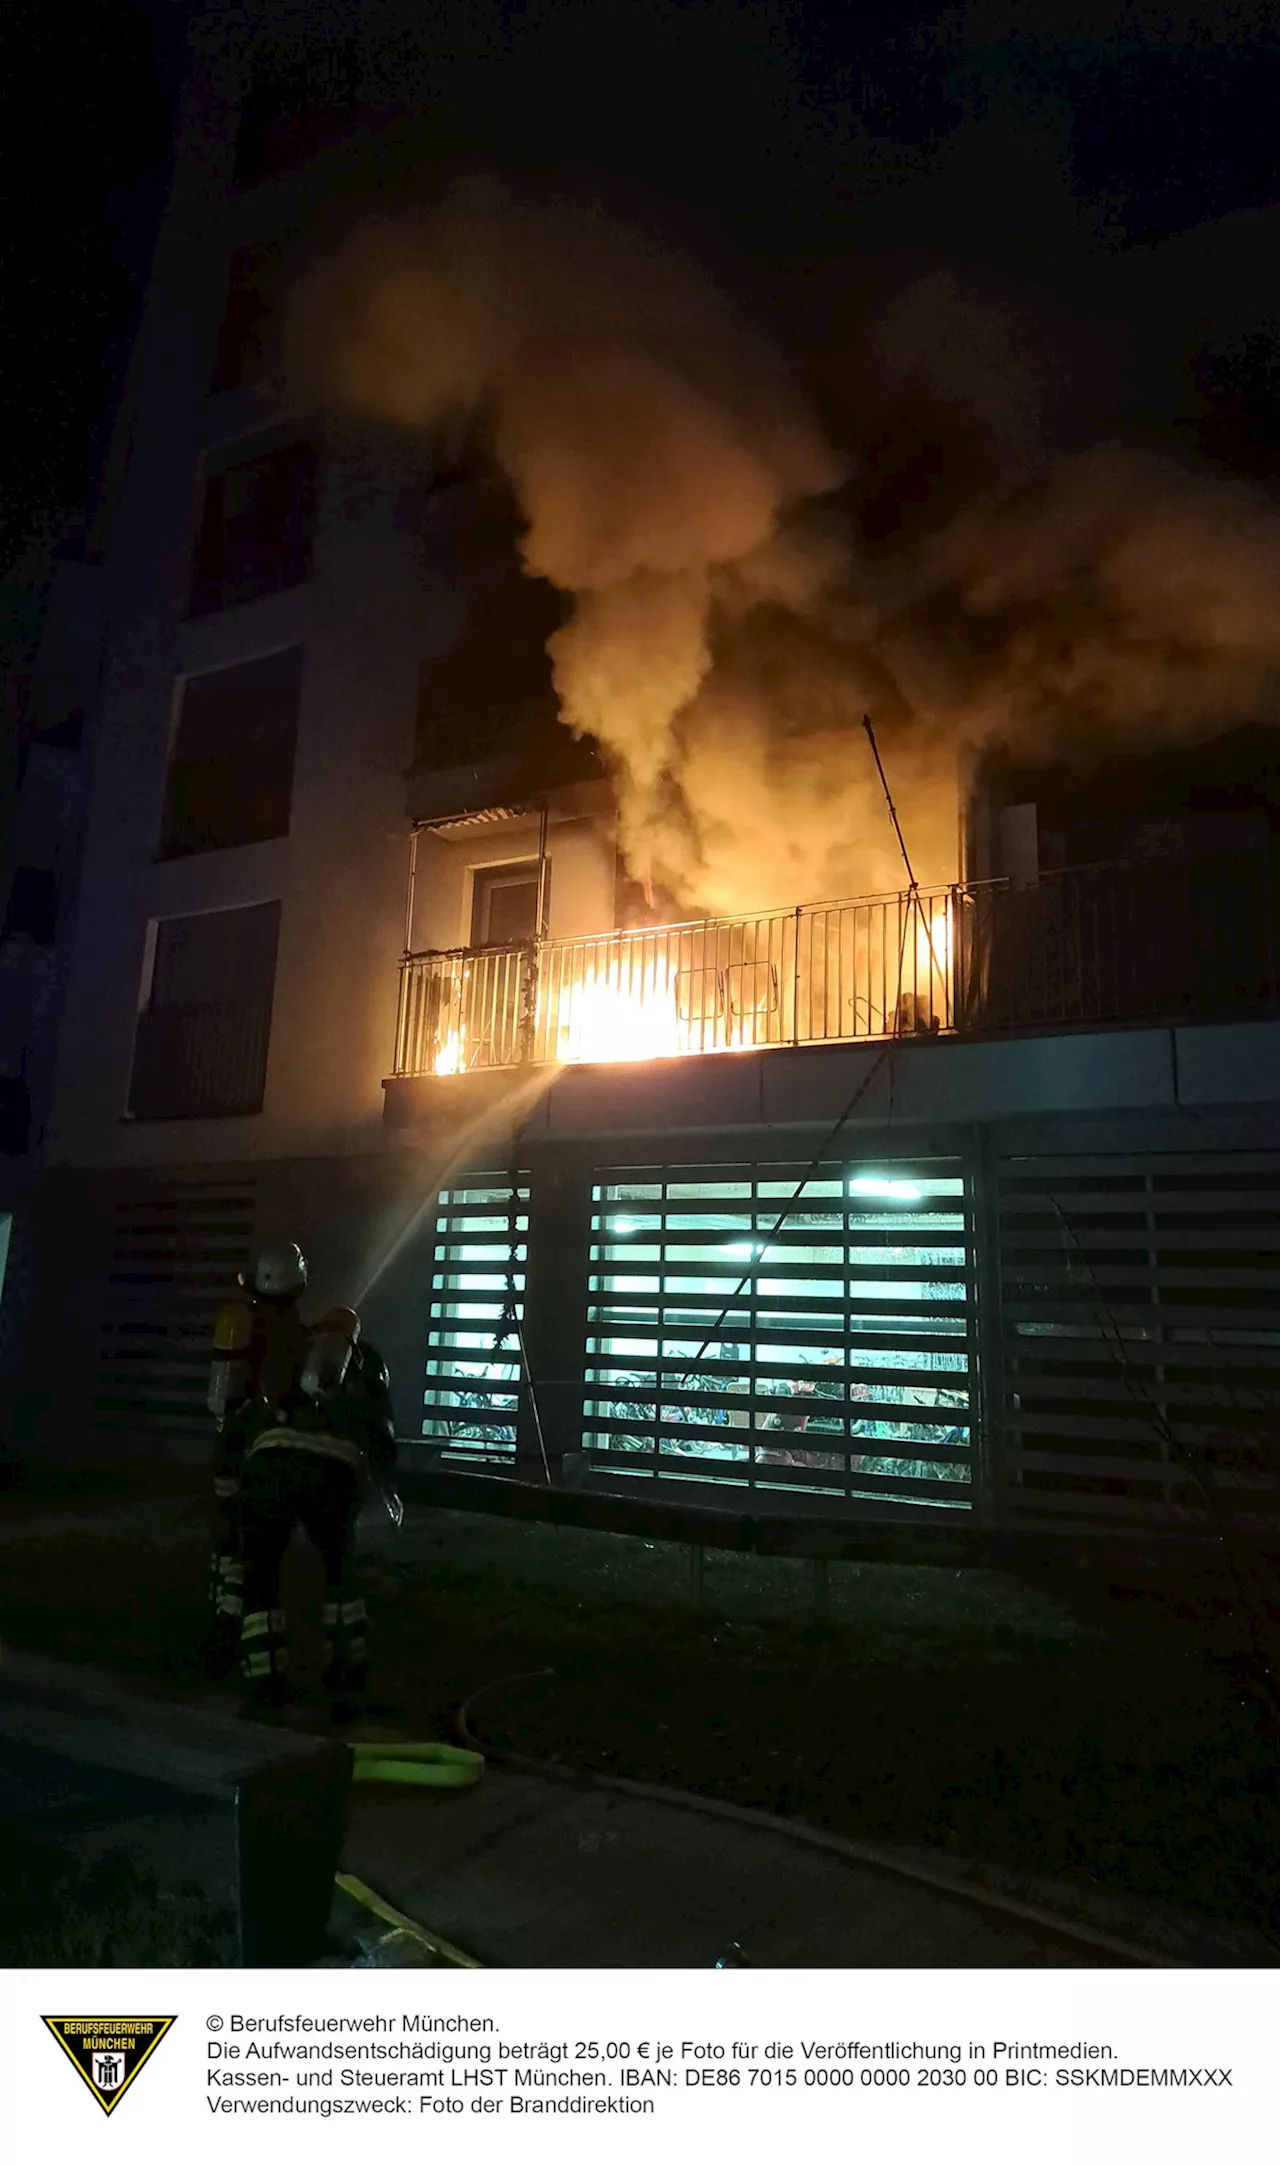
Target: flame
<point>933,943</point>
<point>611,1021</point>
<point>716,989</point>
<point>608,1022</point>
<point>448,1060</point>
<point>925,984</point>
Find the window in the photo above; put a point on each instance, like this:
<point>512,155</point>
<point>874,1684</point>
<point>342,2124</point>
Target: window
<point>471,1401</point>
<point>504,904</point>
<point>256,528</point>
<point>243,319</point>
<point>231,770</point>
<point>201,1045</point>
<point>780,1327</point>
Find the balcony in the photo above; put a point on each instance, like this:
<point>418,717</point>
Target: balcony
<point>1158,941</point>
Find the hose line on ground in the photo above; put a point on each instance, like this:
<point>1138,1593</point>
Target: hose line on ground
<point>428,1765</point>
<point>841,1846</point>
<point>443,1950</point>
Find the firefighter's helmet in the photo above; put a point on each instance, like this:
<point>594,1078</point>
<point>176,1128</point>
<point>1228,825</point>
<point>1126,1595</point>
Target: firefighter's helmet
<point>280,1274</point>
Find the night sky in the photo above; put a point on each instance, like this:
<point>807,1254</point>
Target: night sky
<point>1052,150</point>
<point>85,150</point>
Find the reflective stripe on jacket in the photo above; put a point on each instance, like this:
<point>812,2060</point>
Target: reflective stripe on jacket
<point>318,1441</point>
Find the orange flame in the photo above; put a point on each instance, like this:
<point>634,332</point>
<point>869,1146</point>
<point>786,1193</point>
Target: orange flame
<point>448,1060</point>
<point>610,1022</point>
<point>933,943</point>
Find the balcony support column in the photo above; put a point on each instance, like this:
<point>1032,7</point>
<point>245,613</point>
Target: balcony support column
<point>410,890</point>
<point>556,1278</point>
<point>988,1397</point>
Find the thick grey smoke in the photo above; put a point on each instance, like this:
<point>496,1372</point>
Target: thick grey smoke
<point>654,449</point>
<point>728,628</point>
<point>1134,599</point>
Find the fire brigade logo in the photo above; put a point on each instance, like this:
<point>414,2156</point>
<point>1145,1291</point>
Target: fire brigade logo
<point>108,2051</point>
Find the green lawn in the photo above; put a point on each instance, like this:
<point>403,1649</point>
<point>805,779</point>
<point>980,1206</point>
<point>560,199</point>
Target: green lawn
<point>1103,1743</point>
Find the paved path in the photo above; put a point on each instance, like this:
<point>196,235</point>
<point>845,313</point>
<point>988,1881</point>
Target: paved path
<point>529,1872</point>
<point>524,1871</point>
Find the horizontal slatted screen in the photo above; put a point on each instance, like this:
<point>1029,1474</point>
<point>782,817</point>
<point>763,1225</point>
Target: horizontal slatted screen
<point>1141,1301</point>
<point>829,1353</point>
<point>471,1401</point>
<point>176,1248</point>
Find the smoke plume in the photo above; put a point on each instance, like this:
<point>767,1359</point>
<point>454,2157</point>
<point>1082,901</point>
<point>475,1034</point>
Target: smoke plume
<point>742,591</point>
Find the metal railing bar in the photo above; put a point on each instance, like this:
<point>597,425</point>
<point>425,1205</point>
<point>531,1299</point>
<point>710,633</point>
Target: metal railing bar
<point>1086,944</point>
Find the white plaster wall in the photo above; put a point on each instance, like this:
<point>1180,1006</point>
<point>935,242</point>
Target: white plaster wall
<point>366,617</point>
<point>580,854</point>
<point>152,500</point>
<point>1074,1074</point>
<point>583,879</point>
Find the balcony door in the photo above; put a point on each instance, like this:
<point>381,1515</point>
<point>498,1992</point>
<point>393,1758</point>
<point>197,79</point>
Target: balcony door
<point>504,904</point>
<point>504,915</point>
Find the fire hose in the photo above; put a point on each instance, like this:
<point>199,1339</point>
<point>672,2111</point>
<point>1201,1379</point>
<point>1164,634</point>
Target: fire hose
<point>443,1951</point>
<point>856,1853</point>
<point>440,1766</point>
<point>426,1765</point>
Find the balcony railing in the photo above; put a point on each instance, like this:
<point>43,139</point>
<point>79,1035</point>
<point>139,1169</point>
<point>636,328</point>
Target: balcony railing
<point>1093,944</point>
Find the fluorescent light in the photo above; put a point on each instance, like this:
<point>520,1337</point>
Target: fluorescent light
<point>622,1225</point>
<point>875,1184</point>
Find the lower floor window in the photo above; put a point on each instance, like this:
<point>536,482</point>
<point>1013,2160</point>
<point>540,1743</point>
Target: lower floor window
<point>202,1037</point>
<point>783,1327</point>
<point>472,1392</point>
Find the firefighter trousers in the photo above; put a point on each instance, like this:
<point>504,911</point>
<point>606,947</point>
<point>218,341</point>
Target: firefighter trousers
<point>282,1488</point>
<point>226,1577</point>
<point>236,1432</point>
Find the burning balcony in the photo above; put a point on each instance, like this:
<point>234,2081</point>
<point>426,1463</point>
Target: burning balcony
<point>1089,945</point>
<point>800,977</point>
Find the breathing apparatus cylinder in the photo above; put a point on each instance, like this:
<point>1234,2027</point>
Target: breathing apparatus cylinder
<point>330,1347</point>
<point>230,1371</point>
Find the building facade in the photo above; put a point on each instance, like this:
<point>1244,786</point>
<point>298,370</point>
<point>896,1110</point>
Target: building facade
<point>957,1206</point>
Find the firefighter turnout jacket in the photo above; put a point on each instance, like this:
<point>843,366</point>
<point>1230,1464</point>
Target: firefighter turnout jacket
<point>300,1446</point>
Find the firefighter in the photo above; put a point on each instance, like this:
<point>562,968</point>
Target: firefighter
<point>259,1344</point>
<point>312,1467</point>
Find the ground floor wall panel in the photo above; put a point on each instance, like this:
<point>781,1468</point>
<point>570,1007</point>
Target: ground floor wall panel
<point>1117,1306</point>
<point>125,1272</point>
<point>1069,1327</point>
<point>1140,1299</point>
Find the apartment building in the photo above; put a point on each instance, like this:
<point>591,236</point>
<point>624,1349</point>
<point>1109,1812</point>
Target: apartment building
<point>51,686</point>
<point>957,1205</point>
